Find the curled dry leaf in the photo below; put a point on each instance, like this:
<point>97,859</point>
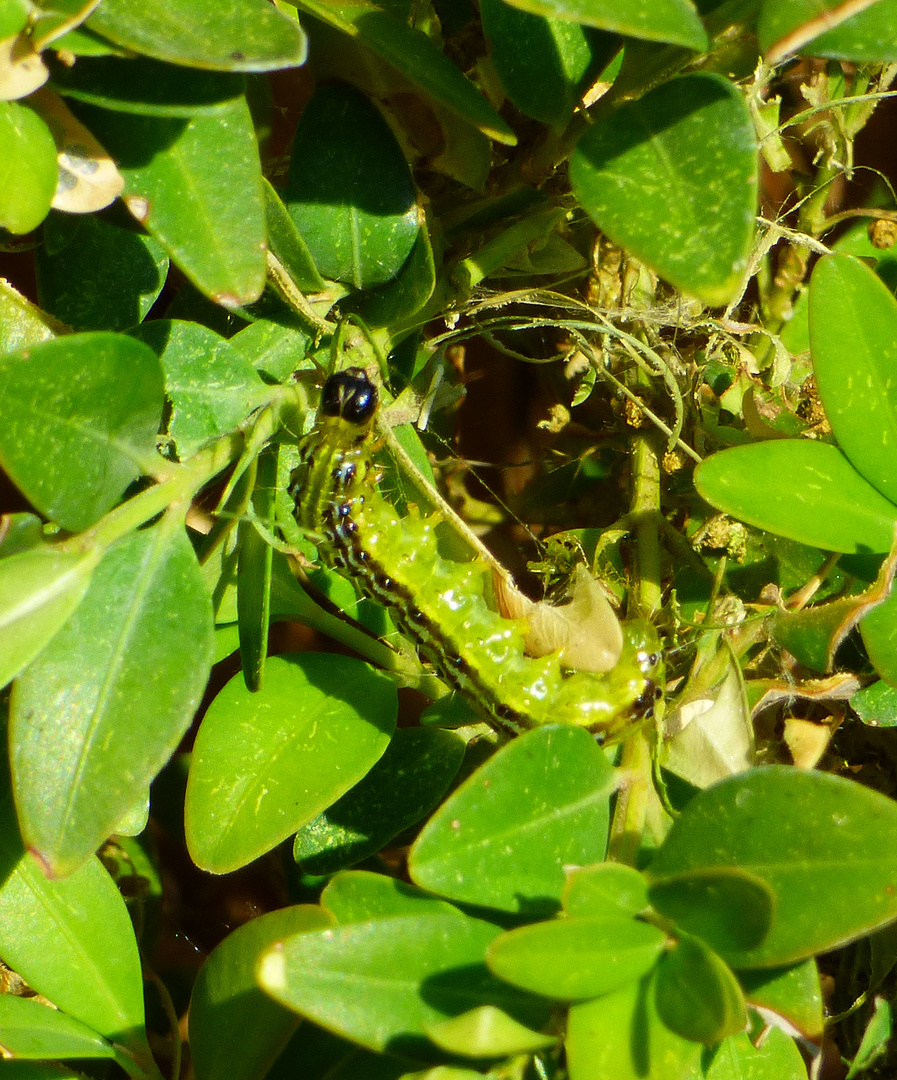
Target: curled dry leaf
<point>585,631</point>
<point>88,178</point>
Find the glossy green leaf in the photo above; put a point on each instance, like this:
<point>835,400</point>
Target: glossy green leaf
<point>287,245</point>
<point>401,789</point>
<point>359,895</point>
<point>876,1039</point>
<point>244,35</point>
<point>145,86</point>
<point>274,351</point>
<point>95,274</point>
<point>725,906</point>
<point>121,680</point>
<point>196,185</point>
<point>542,63</point>
<point>823,844</point>
<point>647,176</point>
<point>78,422</point>
<point>876,705</point>
<point>32,1030</point>
<point>605,889</point>
<point>28,170</point>
<point>254,573</point>
<point>672,21</point>
<point>621,1035</point>
<point>39,590</point>
<point>828,28</point>
<point>50,928</point>
<point>810,493</point>
<point>38,1070</point>
<point>879,632</point>
<point>350,191</point>
<point>403,297</point>
<point>380,983</point>
<point>487,1032</point>
<point>505,835</point>
<point>413,54</point>
<point>776,1058</point>
<point>576,958</point>
<point>266,763</point>
<point>697,996</point>
<point>792,992</point>
<point>236,1030</point>
<point>853,337</point>
<point>870,36</point>
<point>21,322</point>
<point>13,17</point>
<point>211,386</point>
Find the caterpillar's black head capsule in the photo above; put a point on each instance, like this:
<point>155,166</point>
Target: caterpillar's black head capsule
<point>351,395</point>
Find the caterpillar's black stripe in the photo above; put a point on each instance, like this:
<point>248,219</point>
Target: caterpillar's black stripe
<point>442,605</point>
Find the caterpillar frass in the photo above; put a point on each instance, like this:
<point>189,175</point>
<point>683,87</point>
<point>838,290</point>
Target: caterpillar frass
<point>440,604</point>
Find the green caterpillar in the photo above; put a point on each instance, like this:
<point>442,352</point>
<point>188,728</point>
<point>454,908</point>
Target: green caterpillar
<point>442,604</point>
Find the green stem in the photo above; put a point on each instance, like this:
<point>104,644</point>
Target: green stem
<point>637,790</point>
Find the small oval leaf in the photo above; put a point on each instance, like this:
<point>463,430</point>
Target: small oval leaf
<point>645,175</point>
<point>810,493</point>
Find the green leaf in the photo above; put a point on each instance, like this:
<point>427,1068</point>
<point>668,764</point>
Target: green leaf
<point>211,386</point>
<point>672,21</point>
<point>39,590</point>
<point>244,35</point>
<point>32,1030</point>
<point>853,336</point>
<point>810,493</point>
<point>350,191</point>
<point>828,28</point>
<point>196,185</point>
<point>504,837</point>
<point>21,322</point>
<point>576,958</point>
<point>876,705</point>
<point>879,632</point>
<point>487,1032</point>
<point>870,35</point>
<point>823,844</point>
<point>95,274</point>
<point>605,889</point>
<point>876,1039</point>
<point>412,53</point>
<point>274,351</point>
<point>401,789</point>
<point>698,997</point>
<point>266,763</point>
<point>144,86</point>
<point>254,572</point>
<point>28,170</point>
<point>646,176</point>
<point>237,1031</point>
<point>359,895</point>
<point>78,423</point>
<point>50,928</point>
<point>381,983</point>
<point>725,906</point>
<point>287,245</point>
<point>403,297</point>
<point>122,680</point>
<point>776,1058</point>
<point>542,63</point>
<point>621,1035</point>
<point>792,992</point>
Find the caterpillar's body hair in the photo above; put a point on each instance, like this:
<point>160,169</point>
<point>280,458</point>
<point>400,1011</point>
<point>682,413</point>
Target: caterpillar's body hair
<point>442,604</point>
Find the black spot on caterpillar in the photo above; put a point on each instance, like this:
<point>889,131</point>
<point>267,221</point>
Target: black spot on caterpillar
<point>440,604</point>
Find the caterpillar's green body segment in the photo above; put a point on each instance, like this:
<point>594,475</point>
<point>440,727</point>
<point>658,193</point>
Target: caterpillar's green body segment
<point>441,604</point>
